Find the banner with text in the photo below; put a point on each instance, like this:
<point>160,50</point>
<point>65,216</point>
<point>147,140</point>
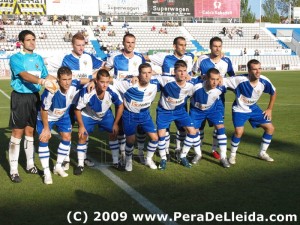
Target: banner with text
<point>217,8</point>
<point>171,8</point>
<point>25,7</point>
<point>123,7</point>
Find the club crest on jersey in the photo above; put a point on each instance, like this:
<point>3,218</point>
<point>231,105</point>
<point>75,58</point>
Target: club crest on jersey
<point>36,66</point>
<point>150,93</point>
<point>85,62</point>
<point>71,97</point>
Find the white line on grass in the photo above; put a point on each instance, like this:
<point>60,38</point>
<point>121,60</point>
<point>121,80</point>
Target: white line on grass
<point>6,95</point>
<point>139,198</point>
<point>122,184</point>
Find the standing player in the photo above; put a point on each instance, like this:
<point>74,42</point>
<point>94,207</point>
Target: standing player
<point>205,105</point>
<point>55,111</point>
<point>94,109</point>
<point>83,65</point>
<point>248,88</point>
<point>28,73</point>
<point>167,63</point>
<point>125,64</point>
<point>175,91</point>
<point>137,101</point>
<point>217,60</point>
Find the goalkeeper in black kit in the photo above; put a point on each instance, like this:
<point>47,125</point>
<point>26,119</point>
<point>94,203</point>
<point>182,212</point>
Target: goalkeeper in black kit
<point>28,75</point>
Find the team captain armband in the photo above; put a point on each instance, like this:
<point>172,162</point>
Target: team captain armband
<point>51,85</point>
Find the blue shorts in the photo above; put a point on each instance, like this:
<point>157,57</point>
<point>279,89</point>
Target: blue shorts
<point>255,118</point>
<point>214,117</point>
<point>165,117</point>
<point>62,125</point>
<point>220,107</point>
<point>106,123</point>
<point>142,119</point>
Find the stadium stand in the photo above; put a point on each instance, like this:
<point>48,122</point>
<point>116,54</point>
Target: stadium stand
<point>196,34</point>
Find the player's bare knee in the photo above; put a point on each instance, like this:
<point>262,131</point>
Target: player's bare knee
<point>269,129</point>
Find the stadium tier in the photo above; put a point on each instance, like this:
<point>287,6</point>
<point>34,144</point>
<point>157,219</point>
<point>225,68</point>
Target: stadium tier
<point>241,42</point>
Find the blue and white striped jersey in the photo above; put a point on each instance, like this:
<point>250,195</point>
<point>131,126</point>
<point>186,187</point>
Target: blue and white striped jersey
<point>172,95</point>
<point>167,62</point>
<point>203,99</point>
<point>136,98</point>
<point>95,108</point>
<point>247,95</point>
<point>83,66</point>
<point>204,63</point>
<point>58,104</point>
<point>124,66</point>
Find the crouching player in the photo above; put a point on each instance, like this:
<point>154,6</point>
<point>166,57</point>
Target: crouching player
<point>206,105</point>
<point>55,111</point>
<point>94,109</point>
<point>248,88</point>
<point>137,101</point>
<point>175,90</point>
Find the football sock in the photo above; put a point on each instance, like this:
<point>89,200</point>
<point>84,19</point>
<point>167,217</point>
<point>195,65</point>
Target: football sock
<point>114,147</point>
<point>215,141</point>
<point>234,145</point>
<point>222,142</point>
<point>13,154</point>
<point>162,147</point>
<point>62,152</point>
<point>266,140</point>
<point>81,150</point>
<point>151,148</point>
<point>44,154</point>
<point>167,138</point>
<point>29,151</point>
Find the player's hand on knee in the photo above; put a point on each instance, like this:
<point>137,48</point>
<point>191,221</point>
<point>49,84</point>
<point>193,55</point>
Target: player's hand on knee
<point>45,135</point>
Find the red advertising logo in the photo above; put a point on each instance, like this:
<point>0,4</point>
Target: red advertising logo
<point>217,8</point>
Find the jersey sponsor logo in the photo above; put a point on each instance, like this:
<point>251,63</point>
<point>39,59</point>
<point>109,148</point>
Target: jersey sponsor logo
<point>100,114</point>
<point>58,112</point>
<point>78,74</point>
<point>174,100</point>
<point>247,101</point>
<point>140,104</point>
<point>200,106</point>
<point>123,74</point>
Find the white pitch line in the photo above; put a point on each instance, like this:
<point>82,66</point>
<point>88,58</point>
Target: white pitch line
<point>139,198</point>
<point>6,95</point>
<point>122,184</point>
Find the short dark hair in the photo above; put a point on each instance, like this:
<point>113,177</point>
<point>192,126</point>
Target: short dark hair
<point>128,35</point>
<point>144,65</point>
<point>64,70</point>
<point>213,39</point>
<point>252,61</point>
<point>178,38</point>
<point>212,71</point>
<point>180,63</point>
<point>23,34</point>
<point>102,73</point>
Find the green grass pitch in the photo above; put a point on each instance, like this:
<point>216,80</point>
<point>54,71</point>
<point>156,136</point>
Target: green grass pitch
<point>251,185</point>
